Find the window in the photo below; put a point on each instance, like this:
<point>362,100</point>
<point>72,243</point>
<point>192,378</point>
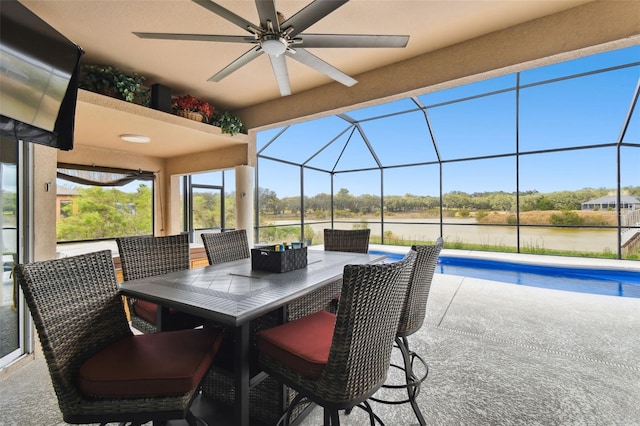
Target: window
<point>66,208</point>
<point>96,203</point>
<point>208,206</point>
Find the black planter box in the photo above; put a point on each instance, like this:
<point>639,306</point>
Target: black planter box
<point>268,259</point>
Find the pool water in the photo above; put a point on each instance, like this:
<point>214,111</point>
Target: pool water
<point>597,281</point>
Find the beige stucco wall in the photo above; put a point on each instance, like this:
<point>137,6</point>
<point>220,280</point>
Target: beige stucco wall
<point>43,199</point>
<point>220,159</point>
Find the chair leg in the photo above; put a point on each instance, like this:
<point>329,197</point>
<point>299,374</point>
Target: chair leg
<point>331,417</point>
<point>335,418</point>
<point>285,419</point>
<point>373,418</point>
<point>413,383</point>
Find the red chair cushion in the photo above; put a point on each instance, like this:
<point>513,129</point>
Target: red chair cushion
<point>145,310</point>
<point>168,363</point>
<point>175,321</point>
<point>148,310</point>
<point>302,345</point>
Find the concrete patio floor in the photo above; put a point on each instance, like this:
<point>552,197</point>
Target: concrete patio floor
<point>499,354</point>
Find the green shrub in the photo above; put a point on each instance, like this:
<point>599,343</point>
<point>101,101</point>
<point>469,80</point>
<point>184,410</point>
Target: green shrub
<point>481,214</point>
<point>566,218</point>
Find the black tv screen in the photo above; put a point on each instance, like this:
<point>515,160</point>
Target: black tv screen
<point>39,71</point>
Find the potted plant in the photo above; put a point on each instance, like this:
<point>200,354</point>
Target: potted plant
<point>110,81</point>
<point>228,123</point>
<point>193,108</point>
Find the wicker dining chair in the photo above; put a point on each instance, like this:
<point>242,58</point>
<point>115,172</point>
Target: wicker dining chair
<point>411,320</point>
<point>351,240</point>
<point>340,360</point>
<point>227,246</point>
<point>148,256</point>
<point>100,371</point>
<point>348,240</point>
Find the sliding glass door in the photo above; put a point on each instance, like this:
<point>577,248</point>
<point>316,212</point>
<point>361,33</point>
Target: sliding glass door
<point>11,315</point>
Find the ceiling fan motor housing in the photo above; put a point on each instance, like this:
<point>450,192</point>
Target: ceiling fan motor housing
<point>273,44</point>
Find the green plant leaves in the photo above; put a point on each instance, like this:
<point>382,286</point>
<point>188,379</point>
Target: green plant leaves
<point>228,123</point>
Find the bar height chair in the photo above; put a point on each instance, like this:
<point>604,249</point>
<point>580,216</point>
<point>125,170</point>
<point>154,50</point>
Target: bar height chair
<point>350,240</point>
<point>227,246</point>
<point>340,360</point>
<point>411,320</point>
<point>347,240</point>
<point>100,371</point>
<point>148,256</point>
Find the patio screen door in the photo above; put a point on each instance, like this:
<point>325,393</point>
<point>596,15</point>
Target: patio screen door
<point>206,210</point>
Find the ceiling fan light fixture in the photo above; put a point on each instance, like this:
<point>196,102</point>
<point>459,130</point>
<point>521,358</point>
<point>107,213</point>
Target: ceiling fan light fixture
<point>273,45</point>
<point>135,138</point>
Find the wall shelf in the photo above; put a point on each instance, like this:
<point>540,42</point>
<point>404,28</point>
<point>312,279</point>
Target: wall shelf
<point>100,120</point>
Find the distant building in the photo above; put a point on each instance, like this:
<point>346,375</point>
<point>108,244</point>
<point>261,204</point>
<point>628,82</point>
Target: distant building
<point>611,202</point>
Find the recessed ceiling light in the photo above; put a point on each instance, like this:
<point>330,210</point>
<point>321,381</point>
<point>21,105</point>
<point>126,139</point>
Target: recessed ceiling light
<point>135,138</point>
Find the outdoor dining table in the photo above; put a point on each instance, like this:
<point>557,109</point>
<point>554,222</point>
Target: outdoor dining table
<point>233,294</point>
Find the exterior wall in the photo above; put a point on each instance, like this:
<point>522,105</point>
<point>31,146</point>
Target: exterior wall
<point>610,205</point>
<point>245,181</point>
<point>221,159</point>
<point>43,199</point>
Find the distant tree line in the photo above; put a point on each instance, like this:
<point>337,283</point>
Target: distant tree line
<point>270,204</point>
<point>109,212</point>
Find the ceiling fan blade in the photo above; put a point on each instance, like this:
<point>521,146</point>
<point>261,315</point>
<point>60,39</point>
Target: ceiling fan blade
<point>279,66</point>
<point>227,14</point>
<point>318,64</point>
<point>197,37</point>
<point>247,57</point>
<point>267,12</point>
<point>352,40</point>
<point>311,14</point>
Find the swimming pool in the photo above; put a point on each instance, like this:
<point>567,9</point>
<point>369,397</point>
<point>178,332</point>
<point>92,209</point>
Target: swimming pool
<point>597,281</point>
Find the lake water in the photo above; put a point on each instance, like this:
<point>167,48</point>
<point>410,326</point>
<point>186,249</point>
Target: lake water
<point>464,231</point>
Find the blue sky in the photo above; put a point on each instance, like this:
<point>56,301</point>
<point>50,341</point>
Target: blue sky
<point>566,113</point>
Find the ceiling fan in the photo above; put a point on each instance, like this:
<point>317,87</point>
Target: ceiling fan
<point>278,37</point>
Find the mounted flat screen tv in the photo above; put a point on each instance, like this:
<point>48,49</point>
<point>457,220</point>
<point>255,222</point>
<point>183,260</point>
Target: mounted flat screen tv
<point>39,71</point>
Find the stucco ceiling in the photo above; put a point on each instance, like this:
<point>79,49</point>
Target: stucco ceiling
<point>104,29</point>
